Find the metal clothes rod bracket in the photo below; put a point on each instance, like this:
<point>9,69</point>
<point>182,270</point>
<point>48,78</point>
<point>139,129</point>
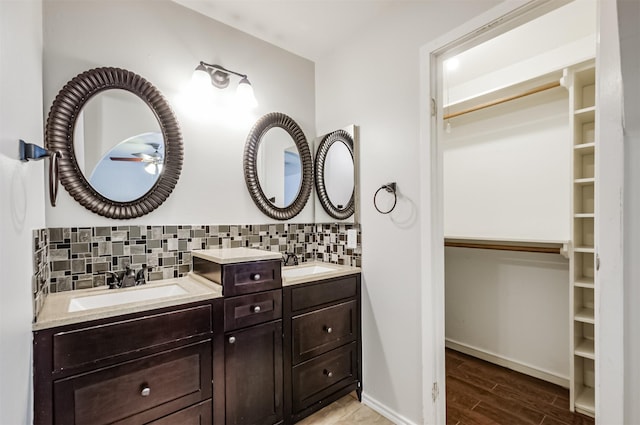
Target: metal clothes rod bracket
<point>503,100</point>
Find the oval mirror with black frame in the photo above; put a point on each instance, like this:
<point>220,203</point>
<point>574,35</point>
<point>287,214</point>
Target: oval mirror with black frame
<point>278,168</point>
<point>95,152</point>
<point>335,174</point>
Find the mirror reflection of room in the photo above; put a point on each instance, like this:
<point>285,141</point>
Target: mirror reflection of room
<point>279,167</point>
<point>122,162</point>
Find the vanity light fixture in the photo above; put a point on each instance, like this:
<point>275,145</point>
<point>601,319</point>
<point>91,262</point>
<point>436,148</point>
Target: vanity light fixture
<point>218,76</point>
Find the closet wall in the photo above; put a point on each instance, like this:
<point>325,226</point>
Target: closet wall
<point>507,178</point>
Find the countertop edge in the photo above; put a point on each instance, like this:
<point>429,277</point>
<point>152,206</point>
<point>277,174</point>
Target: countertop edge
<point>339,271</point>
<point>52,315</point>
<point>235,255</point>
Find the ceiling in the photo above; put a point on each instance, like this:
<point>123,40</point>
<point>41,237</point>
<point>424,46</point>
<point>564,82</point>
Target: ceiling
<point>308,28</point>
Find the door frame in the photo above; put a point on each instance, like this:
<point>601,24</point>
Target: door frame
<point>609,299</point>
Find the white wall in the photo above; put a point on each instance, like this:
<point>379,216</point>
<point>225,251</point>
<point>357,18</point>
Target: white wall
<point>372,80</point>
<point>164,42</point>
<point>507,171</point>
<point>629,21</point>
<point>511,306</point>
<point>21,199</point>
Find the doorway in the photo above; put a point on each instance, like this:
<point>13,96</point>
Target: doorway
<point>434,57</point>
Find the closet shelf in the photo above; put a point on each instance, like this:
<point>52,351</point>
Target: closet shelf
<point>588,249</point>
<point>584,282</point>
<point>584,215</point>
<point>585,111</point>
<point>585,181</point>
<point>585,115</point>
<point>585,148</point>
<point>584,315</point>
<point>585,401</point>
<point>585,348</point>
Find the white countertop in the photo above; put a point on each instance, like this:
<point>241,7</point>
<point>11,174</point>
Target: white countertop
<point>235,255</point>
<point>55,310</point>
<point>337,270</point>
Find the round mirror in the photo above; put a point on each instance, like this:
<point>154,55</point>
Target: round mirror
<point>278,166</point>
<point>118,145</point>
<point>119,142</point>
<point>334,174</point>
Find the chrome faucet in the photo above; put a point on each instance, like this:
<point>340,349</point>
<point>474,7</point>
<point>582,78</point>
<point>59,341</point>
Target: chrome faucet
<point>114,280</point>
<point>126,278</point>
<point>288,258</point>
<point>129,278</point>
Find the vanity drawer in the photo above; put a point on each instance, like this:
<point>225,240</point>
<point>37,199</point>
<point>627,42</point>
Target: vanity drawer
<point>323,330</point>
<point>241,278</point>
<point>92,344</point>
<point>317,378</point>
<point>148,388</point>
<point>200,414</point>
<point>246,278</point>
<point>247,310</point>
<point>312,295</point>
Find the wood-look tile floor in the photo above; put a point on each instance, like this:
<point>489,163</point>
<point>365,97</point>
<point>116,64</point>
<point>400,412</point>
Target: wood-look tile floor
<point>481,393</point>
<point>347,410</point>
<point>478,393</point>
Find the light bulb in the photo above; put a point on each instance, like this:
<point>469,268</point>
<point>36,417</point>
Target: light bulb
<point>201,77</point>
<point>244,94</point>
<point>153,168</point>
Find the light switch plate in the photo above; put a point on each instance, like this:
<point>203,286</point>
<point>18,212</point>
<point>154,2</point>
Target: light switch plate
<point>352,238</point>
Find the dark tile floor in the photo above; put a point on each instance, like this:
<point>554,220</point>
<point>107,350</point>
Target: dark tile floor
<point>481,393</point>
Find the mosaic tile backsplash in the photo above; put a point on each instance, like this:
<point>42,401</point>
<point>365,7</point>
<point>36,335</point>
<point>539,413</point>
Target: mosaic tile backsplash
<point>66,259</point>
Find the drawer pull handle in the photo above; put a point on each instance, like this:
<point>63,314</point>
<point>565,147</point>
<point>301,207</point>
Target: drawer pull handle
<point>256,309</point>
<point>255,276</point>
<point>145,391</point>
<point>232,340</point>
<point>328,373</point>
<point>328,329</point>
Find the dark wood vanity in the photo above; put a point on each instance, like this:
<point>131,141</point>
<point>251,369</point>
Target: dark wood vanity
<point>323,349</point>
<point>252,341</point>
<point>131,369</point>
<point>261,354</point>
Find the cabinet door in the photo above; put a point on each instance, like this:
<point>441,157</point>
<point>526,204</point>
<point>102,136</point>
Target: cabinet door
<point>253,375</point>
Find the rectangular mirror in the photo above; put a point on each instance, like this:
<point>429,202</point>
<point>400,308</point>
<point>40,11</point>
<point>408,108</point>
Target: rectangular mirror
<point>336,176</point>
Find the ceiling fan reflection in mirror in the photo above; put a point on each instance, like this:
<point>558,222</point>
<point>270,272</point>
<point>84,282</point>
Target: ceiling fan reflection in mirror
<point>153,160</point>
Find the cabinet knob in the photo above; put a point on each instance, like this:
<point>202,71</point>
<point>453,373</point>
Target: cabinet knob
<point>328,373</point>
<point>256,309</point>
<point>145,391</point>
<point>255,276</point>
<point>328,329</point>
<point>232,340</point>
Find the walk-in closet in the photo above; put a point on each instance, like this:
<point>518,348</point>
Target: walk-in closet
<point>518,148</point>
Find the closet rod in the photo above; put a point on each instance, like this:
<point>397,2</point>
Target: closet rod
<point>501,247</point>
<point>503,100</point>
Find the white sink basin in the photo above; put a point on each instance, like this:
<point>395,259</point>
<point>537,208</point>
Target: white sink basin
<point>124,296</point>
<point>305,271</point>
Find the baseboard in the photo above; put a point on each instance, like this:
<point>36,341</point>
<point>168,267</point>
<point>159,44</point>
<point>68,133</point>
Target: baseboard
<point>527,369</point>
<point>385,411</point>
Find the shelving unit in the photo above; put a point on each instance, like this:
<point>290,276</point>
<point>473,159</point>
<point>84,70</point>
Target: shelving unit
<point>580,80</point>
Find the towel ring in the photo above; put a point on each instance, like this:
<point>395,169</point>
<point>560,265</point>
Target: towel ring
<point>390,188</point>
